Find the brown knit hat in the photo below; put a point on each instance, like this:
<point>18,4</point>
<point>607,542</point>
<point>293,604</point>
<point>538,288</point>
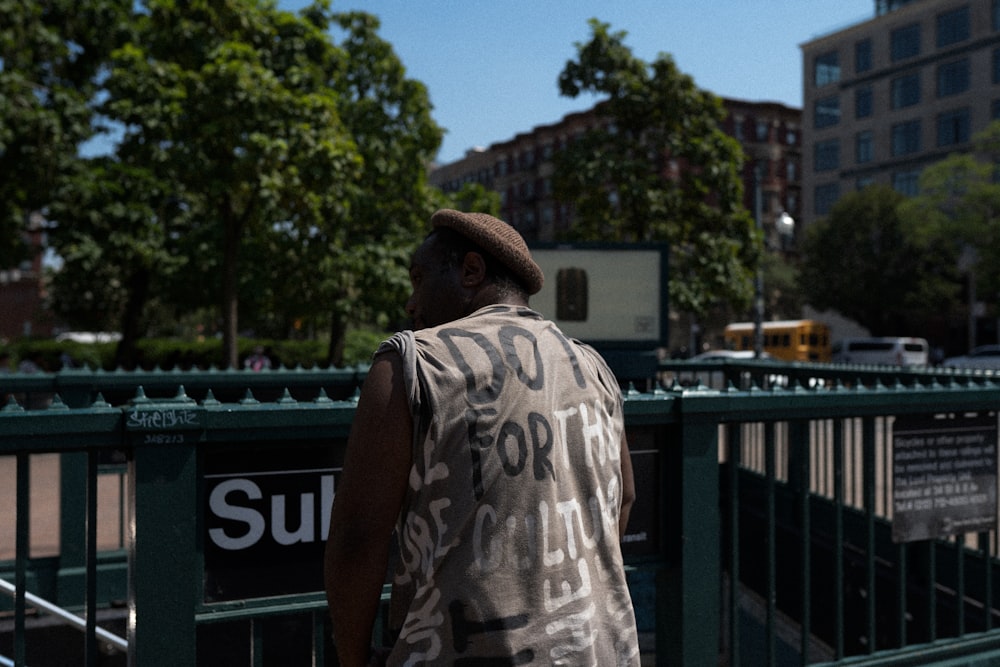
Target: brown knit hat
<point>497,238</point>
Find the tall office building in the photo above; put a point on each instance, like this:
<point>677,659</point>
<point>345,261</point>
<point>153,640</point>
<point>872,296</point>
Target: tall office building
<point>885,98</point>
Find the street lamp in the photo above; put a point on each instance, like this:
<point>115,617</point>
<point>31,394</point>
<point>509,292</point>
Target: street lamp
<point>758,282</point>
<point>784,225</point>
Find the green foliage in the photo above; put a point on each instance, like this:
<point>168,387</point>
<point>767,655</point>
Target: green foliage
<point>623,181</point>
<point>890,273</point>
<point>263,169</point>
<point>228,104</point>
<point>174,353</point>
<point>471,197</point>
<point>51,355</point>
<point>958,210</point>
<point>365,259</point>
<point>783,294</point>
<point>50,58</point>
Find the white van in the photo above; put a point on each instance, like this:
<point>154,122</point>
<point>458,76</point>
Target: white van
<point>881,351</point>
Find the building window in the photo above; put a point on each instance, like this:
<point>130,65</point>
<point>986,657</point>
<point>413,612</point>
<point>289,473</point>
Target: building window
<point>905,42</point>
<point>906,138</point>
<point>996,14</point>
<point>827,155</point>
<point>953,127</point>
<point>826,69</point>
<point>528,221</point>
<point>763,130</point>
<point>906,182</point>
<point>996,65</point>
<point>827,111</point>
<point>905,91</point>
<point>863,147</point>
<point>791,138</point>
<point>863,102</point>
<point>953,78</point>
<point>791,174</point>
<point>864,181</point>
<point>825,197</point>
<point>886,6</point>
<point>738,128</point>
<point>548,215</point>
<point>995,110</point>
<point>953,27</point>
<point>863,56</point>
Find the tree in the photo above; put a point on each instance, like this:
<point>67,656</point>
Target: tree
<point>279,171</point>
<point>50,58</point>
<point>118,239</point>
<point>471,197</point>
<point>959,205</point>
<point>866,261</point>
<point>365,260</point>
<point>228,110</point>
<point>659,169</point>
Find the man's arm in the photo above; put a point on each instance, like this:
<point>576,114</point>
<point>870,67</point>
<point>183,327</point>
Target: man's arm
<point>628,488</point>
<point>365,508</point>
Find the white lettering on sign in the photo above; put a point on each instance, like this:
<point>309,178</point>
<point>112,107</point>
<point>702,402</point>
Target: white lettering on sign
<point>241,500</point>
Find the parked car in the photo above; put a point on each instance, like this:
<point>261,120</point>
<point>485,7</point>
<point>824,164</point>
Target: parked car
<point>716,379</point>
<point>984,356</point>
<point>735,355</point>
<point>886,351</point>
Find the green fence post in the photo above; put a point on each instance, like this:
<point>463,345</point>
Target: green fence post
<point>165,564</point>
<point>72,522</point>
<point>688,615</point>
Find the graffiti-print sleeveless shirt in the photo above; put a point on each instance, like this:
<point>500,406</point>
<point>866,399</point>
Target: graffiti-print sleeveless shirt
<point>509,532</point>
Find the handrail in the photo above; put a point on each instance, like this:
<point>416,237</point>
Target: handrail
<point>70,618</point>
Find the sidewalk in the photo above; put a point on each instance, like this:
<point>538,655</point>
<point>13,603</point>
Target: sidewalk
<point>44,498</point>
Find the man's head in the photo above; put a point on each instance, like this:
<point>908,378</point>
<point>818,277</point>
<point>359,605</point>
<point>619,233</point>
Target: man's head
<point>468,261</point>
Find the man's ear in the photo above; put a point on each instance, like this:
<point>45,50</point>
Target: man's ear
<point>473,270</point>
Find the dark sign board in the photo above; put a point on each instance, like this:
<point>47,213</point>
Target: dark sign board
<point>267,514</point>
<point>642,535</point>
<point>944,472</point>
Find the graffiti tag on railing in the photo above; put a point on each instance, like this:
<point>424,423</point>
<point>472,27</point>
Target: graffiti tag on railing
<point>163,419</point>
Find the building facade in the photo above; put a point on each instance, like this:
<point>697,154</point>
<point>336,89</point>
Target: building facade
<point>885,98</point>
<point>521,169</point>
<point>22,291</point>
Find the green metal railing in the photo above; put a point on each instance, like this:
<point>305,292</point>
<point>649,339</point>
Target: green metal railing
<point>762,533</point>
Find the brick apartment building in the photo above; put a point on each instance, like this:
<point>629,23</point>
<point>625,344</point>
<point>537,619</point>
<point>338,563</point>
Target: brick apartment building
<point>22,292</point>
<point>521,169</point>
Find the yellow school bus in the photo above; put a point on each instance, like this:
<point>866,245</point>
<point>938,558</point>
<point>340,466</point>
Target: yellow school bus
<point>791,340</point>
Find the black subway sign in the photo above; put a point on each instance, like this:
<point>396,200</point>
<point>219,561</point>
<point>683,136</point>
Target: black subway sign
<point>267,515</point>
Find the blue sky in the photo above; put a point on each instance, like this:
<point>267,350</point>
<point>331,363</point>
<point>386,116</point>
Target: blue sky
<point>491,67</point>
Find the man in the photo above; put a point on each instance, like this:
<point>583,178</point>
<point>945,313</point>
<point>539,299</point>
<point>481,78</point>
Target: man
<point>495,445</point>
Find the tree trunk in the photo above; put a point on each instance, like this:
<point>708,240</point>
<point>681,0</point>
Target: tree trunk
<point>338,335</point>
<point>230,293</point>
<point>126,353</point>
